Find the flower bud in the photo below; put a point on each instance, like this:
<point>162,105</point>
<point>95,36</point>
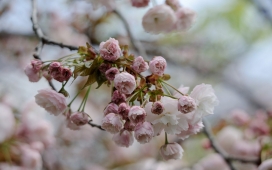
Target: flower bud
<point>79,118</point>
<point>124,138</point>
<point>112,123</point>
<point>137,114</point>
<point>157,65</point>
<point>111,108</point>
<point>144,132</point>
<point>125,83</point>
<point>139,65</point>
<point>130,126</point>
<point>118,97</point>
<point>104,67</point>
<point>186,104</point>
<point>123,110</point>
<point>171,151</point>
<point>139,3</point>
<point>66,74</point>
<point>37,65</point>
<point>110,50</point>
<point>33,76</point>
<point>110,73</point>
<point>157,108</point>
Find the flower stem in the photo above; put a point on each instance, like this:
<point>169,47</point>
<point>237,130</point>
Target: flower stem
<point>86,98</point>
<point>166,139</point>
<point>167,90</point>
<point>172,87</point>
<point>74,98</point>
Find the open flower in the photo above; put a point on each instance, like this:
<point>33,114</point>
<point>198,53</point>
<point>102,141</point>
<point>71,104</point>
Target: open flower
<point>125,83</point>
<point>193,129</point>
<point>124,138</point>
<point>143,132</point>
<point>51,101</point>
<point>185,19</point>
<point>170,120</point>
<point>159,19</point>
<point>171,151</point>
<point>110,50</point>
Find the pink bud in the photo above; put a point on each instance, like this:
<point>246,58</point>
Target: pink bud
<point>140,3</point>
<point>186,104</point>
<point>130,126</point>
<point>124,138</point>
<point>112,123</point>
<point>157,65</point>
<point>171,151</point>
<point>123,110</point>
<point>66,74</point>
<point>110,73</point>
<point>37,65</point>
<point>144,132</point>
<point>118,97</point>
<point>110,50</point>
<point>79,118</point>
<point>125,83</point>
<point>137,114</point>
<point>111,108</point>
<point>33,76</point>
<point>104,67</point>
<point>139,65</point>
<point>54,68</point>
<point>157,108</point>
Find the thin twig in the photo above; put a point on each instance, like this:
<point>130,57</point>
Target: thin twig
<point>95,125</point>
<point>135,43</point>
<point>221,152</point>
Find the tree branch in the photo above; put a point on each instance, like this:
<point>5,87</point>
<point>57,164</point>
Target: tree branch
<point>221,152</point>
<point>135,43</point>
<point>95,125</point>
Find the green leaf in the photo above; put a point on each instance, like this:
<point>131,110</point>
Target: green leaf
<point>166,77</point>
<point>78,69</point>
<point>91,80</point>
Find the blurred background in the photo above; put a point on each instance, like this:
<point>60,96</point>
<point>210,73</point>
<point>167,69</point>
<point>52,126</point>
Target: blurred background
<point>229,46</point>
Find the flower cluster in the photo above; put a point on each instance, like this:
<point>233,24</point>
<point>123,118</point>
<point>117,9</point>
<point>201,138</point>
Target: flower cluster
<point>167,17</point>
<point>141,107</point>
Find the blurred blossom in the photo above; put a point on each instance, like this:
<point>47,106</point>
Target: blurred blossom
<point>266,165</point>
<point>239,117</point>
<point>7,122</point>
<point>211,162</point>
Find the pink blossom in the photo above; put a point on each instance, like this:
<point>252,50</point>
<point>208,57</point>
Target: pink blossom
<point>123,110</point>
<point>71,125</point>
<point>259,127</point>
<point>37,65</point>
<point>266,165</point>
<point>211,162</point>
<point>33,76</point>
<point>143,132</point>
<point>193,129</point>
<point>111,108</point>
<point>46,75</point>
<point>30,158</point>
<point>157,107</point>
<point>186,104</point>
<point>171,151</point>
<point>125,83</point>
<point>112,123</point>
<point>110,73</point>
<point>110,50</point>
<point>118,97</point>
<point>245,149</point>
<point>66,74</point>
<point>124,138</point>
<point>140,3</point>
<point>158,19</point>
<point>104,67</point>
<point>7,122</point>
<point>79,118</point>
<point>136,114</point>
<point>157,65</point>
<point>130,126</point>
<point>55,69</point>
<point>37,145</point>
<point>174,4</point>
<point>139,65</point>
<point>239,117</point>
<point>51,101</point>
<point>185,19</point>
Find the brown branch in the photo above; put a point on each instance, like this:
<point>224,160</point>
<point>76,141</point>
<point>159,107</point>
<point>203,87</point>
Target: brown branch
<point>95,125</point>
<point>221,152</point>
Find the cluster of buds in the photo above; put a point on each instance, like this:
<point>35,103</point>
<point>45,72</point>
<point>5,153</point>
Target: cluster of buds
<point>141,106</point>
